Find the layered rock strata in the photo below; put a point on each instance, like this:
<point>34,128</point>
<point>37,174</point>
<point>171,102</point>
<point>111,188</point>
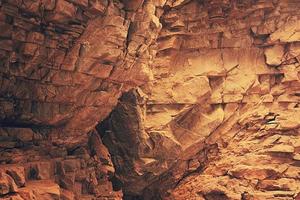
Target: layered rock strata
<point>63,66</point>
<point>65,63</point>
<point>220,118</point>
<point>209,110</point>
<point>33,168</point>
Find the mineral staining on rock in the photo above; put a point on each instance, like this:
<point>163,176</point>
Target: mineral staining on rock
<point>194,99</point>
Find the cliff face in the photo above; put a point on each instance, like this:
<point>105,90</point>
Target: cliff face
<point>209,110</point>
<point>63,66</point>
<point>220,118</point>
<point>62,61</point>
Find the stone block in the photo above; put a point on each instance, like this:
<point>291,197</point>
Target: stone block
<point>30,49</point>
<point>16,172</point>
<point>97,7</point>
<point>274,55</point>
<point>71,165</point>
<point>63,12</point>
<point>7,184</point>
<point>35,37</point>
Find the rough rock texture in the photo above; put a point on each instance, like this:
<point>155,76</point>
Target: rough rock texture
<point>220,118</point>
<point>65,63</point>
<point>32,168</point>
<point>63,66</point>
<point>210,104</point>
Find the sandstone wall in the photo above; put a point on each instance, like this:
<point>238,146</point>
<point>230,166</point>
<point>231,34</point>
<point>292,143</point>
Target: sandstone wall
<point>65,63</point>
<point>63,66</point>
<point>32,168</point>
<point>210,106</point>
<point>220,119</point>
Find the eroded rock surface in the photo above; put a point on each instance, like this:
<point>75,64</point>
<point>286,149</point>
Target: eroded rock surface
<point>63,66</point>
<point>225,93</point>
<point>195,99</point>
<point>33,168</point>
<point>67,62</point>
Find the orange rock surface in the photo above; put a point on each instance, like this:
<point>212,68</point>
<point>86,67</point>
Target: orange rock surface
<point>149,99</point>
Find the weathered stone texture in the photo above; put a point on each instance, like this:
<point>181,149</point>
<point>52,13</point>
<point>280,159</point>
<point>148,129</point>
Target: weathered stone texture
<point>63,66</point>
<point>62,61</point>
<point>32,168</point>
<point>205,98</point>
<point>219,119</point>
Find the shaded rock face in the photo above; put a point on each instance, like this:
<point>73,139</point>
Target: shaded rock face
<point>33,168</point>
<point>65,63</point>
<point>194,99</point>
<point>63,66</point>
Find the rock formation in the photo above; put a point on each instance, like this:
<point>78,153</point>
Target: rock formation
<point>149,99</point>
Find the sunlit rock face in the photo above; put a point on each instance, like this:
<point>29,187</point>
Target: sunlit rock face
<point>149,99</point>
<point>220,118</point>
